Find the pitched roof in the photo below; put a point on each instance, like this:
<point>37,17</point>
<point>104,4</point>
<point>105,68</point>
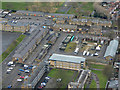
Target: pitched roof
<point>67,58</point>
<point>112,48</point>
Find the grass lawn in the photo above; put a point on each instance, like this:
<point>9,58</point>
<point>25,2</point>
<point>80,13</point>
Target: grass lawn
<point>96,66</point>
<point>70,47</point>
<point>65,75</point>
<point>84,8</point>
<point>28,5</point>
<point>102,78</point>
<point>15,5</point>
<point>11,47</point>
<point>93,84</point>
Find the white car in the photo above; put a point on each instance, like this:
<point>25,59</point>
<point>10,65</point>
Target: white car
<point>11,68</point>
<point>13,65</point>
<point>27,71</point>
<point>43,84</point>
<point>19,80</point>
<point>72,31</point>
<point>47,78</point>
<point>8,70</point>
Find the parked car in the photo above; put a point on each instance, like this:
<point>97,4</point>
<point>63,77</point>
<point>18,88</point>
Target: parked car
<point>19,80</point>
<point>13,65</point>
<point>47,78</point>
<point>43,84</point>
<point>27,71</point>
<point>21,70</point>
<point>22,77</point>
<point>40,87</point>
<point>9,86</point>
<point>11,68</point>
<point>19,73</point>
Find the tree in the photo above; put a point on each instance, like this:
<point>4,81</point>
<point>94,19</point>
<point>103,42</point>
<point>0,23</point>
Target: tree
<point>107,71</point>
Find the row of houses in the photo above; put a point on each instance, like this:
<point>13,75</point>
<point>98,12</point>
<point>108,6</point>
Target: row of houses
<point>90,22</point>
<point>26,48</point>
<point>15,26</point>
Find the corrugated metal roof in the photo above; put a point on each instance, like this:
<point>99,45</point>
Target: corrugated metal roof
<point>112,48</point>
<point>66,58</point>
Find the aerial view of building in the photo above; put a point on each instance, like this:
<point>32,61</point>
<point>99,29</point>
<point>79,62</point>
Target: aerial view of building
<point>60,45</point>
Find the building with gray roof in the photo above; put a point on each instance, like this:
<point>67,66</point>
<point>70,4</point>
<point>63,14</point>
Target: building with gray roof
<point>80,82</point>
<point>111,49</point>
<point>67,61</point>
<point>29,45</point>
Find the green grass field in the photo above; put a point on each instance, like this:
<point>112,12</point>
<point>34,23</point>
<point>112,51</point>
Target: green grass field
<point>15,5</point>
<point>70,47</point>
<point>93,84</point>
<point>102,78</point>
<point>65,75</point>
<point>32,6</point>
<point>97,66</point>
<point>11,47</point>
<point>82,8</point>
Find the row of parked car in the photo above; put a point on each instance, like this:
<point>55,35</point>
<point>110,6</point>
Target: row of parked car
<point>43,84</point>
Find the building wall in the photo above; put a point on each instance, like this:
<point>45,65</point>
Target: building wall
<point>15,28</point>
<point>65,65</point>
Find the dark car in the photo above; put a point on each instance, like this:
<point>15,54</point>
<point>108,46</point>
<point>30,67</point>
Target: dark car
<point>19,73</point>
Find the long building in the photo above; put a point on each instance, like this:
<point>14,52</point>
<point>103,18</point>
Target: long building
<point>67,61</point>
<point>64,27</point>
<point>111,50</point>
<point>22,53</point>
<point>15,26</point>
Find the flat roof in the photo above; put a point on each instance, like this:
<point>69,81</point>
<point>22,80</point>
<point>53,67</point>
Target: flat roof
<point>66,58</point>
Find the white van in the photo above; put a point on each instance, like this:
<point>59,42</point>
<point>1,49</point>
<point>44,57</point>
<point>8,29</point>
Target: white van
<point>76,51</point>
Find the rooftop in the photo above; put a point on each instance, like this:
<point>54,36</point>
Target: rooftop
<point>67,58</point>
<point>112,48</point>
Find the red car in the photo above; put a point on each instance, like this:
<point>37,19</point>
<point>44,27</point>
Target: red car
<point>40,87</point>
<point>22,77</point>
